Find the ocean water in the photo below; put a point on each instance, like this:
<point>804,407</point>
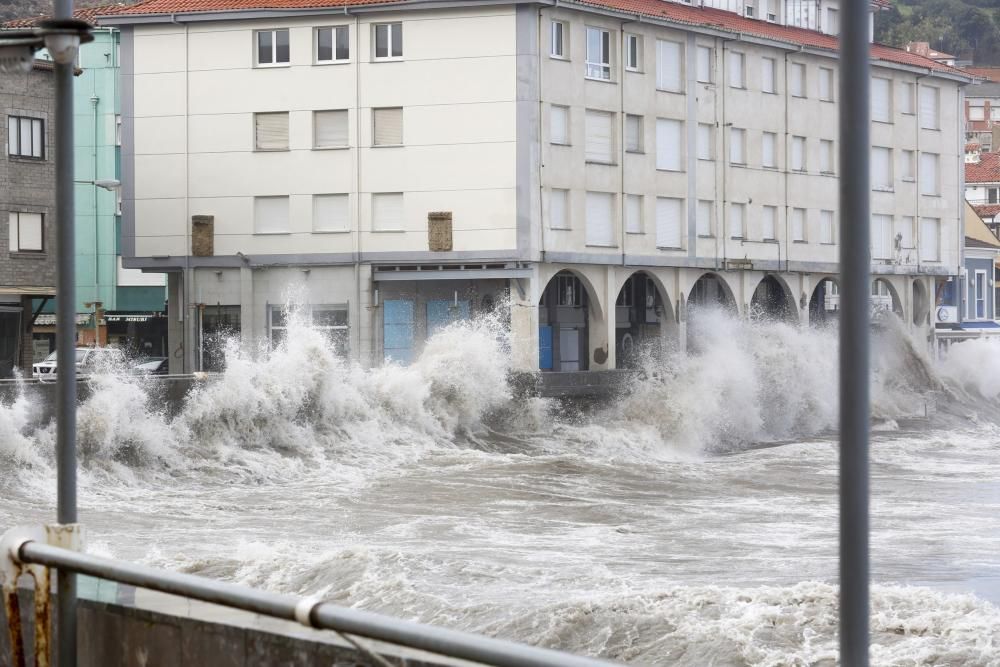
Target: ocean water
<point>691,521</point>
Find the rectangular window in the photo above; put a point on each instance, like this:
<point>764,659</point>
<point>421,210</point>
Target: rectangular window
<point>633,133</point>
<point>704,64</point>
<point>977,112</point>
<point>330,129</point>
<point>26,232</point>
<point>930,105</point>
<point>669,66</point>
<point>118,129</point>
<point>826,84</point>
<point>881,100</point>
<point>929,174</point>
<point>769,75</point>
<point>798,224</point>
<point>599,140</point>
<point>737,145</point>
<point>705,142</point>
<point>736,70</point>
<point>270,215</point>
<point>881,236</point>
<point>797,79</point>
<point>387,211</point>
<point>991,195</point>
<point>600,225</point>
<point>881,168</point>
<point>769,223</point>
<point>557,47</point>
<point>737,218</point>
<point>559,209</point>
<point>272,47</point>
<point>633,214</point>
<point>907,97</point>
<point>388,41</point>
<point>909,166</point>
<point>826,157</point>
<point>930,239</point>
<point>704,213</point>
<point>598,54</point>
<point>633,52</point>
<point>330,321</point>
<point>798,157</point>
<point>333,45</point>
<point>559,125</point>
<point>826,231</point>
<point>25,137</point>
<point>331,213</point>
<point>832,21</point>
<point>903,232</point>
<point>980,295</point>
<point>769,150</point>
<point>669,144</point>
<point>271,131</point>
<point>669,212</point>
<point>387,127</point>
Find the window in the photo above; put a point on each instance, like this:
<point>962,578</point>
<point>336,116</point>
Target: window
<point>826,156</point>
<point>271,131</point>
<point>737,145</point>
<point>980,295</point>
<point>118,129</point>
<point>768,150</point>
<point>929,174</point>
<point>387,126</point>
<point>559,209</point>
<point>668,144</point>
<point>600,226</point>
<point>748,11</point>
<point>881,97</point>
<point>826,84</point>
<point>930,103</point>
<point>903,233</point>
<point>930,239</point>
<point>769,223</point>
<point>977,112</point>
<point>704,222</point>
<point>331,321</point>
<point>26,232</point>
<point>330,129</point>
<point>908,167</point>
<point>769,75</point>
<point>387,211</point>
<point>832,22</point>
<point>633,214</point>
<point>25,137</point>
<point>798,158</point>
<point>388,41</point>
<point>797,79</point>
<point>799,225</point>
<point>705,143</point>
<point>881,168</point>
<point>599,143</point>
<point>881,236</point>
<point>557,47</point>
<point>704,55</point>
<point>559,125</point>
<point>331,213</point>
<point>736,70</point>
<point>991,195</point>
<point>272,48</point>
<point>598,54</point>
<point>633,133</point>
<point>826,227</point>
<point>270,215</point>
<point>669,212</point>
<point>333,45</point>
<point>633,52</point>
<point>669,66</point>
<point>737,215</point>
<point>906,103</point>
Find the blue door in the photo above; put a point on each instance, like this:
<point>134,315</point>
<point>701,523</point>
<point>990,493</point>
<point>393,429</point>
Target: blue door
<point>397,331</point>
<point>545,348</point>
<point>442,313</point>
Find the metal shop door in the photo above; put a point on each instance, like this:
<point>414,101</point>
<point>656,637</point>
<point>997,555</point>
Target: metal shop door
<point>442,313</point>
<point>397,331</point>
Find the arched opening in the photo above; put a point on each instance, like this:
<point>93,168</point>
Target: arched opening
<point>884,299</point>
<point>563,335</point>
<point>921,303</point>
<point>824,304</point>
<point>772,300</point>
<point>711,290</point>
<point>644,320</point>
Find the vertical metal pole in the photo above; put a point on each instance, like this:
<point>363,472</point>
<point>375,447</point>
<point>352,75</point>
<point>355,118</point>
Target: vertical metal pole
<point>855,278</point>
<point>65,342</point>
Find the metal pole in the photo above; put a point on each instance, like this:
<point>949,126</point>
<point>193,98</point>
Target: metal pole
<point>855,278</point>
<point>65,343</point>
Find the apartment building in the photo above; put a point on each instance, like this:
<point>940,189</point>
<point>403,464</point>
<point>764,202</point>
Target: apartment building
<point>593,169</point>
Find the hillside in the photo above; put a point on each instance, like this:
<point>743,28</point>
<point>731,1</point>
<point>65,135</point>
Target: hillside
<point>969,29</point>
<point>17,9</point>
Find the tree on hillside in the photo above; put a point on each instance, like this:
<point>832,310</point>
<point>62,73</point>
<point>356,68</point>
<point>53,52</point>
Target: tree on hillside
<point>969,29</point>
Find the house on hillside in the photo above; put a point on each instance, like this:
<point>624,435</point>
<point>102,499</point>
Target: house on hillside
<point>982,185</point>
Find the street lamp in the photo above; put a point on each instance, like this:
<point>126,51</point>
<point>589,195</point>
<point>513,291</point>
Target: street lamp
<point>110,184</point>
<point>62,38</point>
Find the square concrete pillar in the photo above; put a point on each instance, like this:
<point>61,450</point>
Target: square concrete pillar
<point>523,325</point>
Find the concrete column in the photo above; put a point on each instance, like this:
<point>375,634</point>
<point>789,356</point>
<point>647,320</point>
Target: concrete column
<point>191,323</point>
<point>610,323</point>
<point>524,295</point>
<point>247,310</point>
<point>175,322</point>
<point>27,347</point>
<point>805,288</point>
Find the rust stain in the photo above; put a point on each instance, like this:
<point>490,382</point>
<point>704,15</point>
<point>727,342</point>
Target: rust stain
<point>13,610</point>
<point>43,614</point>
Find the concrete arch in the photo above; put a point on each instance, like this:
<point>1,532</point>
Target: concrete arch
<point>711,288</point>
<point>885,298</point>
<point>589,277</point>
<point>773,299</point>
<point>824,303</point>
<point>572,326</point>
<point>920,303</point>
<point>645,320</point>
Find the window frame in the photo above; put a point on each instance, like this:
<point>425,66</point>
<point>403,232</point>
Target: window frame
<point>742,133</point>
<point>402,138</point>
<point>774,150</point>
<point>639,148</point>
<point>18,119</point>
<point>699,49</point>
<point>829,151</point>
<point>796,82</point>
<point>391,28</point>
<point>41,225</point>
<point>311,309</point>
<point>563,53</point>
<point>981,294</point>
<point>288,142</point>
<point>333,48</point>
<point>315,145</point>
<point>402,212</point>
<point>315,199</point>
<point>606,49</point>
<point>274,48</point>
<point>774,75</point>
<point>569,134</point>
<point>632,38</point>
<point>565,223</point>
<point>288,215</point>
<point>827,72</point>
<point>804,166</point>
<point>743,69</point>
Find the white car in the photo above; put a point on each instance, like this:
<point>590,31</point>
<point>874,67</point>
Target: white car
<point>88,359</point>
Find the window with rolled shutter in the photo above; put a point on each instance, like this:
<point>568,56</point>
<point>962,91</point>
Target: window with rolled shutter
<point>769,143</point>
<point>826,158</point>
<point>881,237</point>
<point>704,64</point>
<point>26,232</point>
<point>331,213</point>
<point>668,144</point>
<point>737,145</point>
<point>599,145</point>
<point>600,219</point>
<point>559,125</point>
<point>798,153</point>
<point>330,129</point>
<point>669,65</point>
<point>904,230</point>
<point>906,103</point>
<point>270,215</point>
<point>633,214</point>
<point>271,131</point>
<point>769,223</point>
<point>929,105</point>
<point>768,75</point>
<point>704,217</point>
<point>387,211</point>
<point>881,95</point>
<point>705,151</point>
<point>928,174</point>
<point>826,84</point>
<point>736,70</point>
<point>881,168</point>
<point>797,79</point>
<point>798,224</point>
<point>387,126</point>
<point>826,227</point>
<point>668,222</point>
<point>930,239</point>
<point>737,218</point>
<point>633,133</point>
<point>559,209</point>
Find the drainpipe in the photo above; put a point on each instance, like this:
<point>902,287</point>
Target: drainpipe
<point>94,102</point>
<point>189,328</point>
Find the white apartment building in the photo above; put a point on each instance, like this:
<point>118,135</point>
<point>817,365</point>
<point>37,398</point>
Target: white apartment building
<point>594,167</point>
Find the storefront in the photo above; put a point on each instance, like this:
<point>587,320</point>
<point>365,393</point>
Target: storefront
<point>140,334</point>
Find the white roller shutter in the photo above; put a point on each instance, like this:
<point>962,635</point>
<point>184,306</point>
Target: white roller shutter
<point>388,127</point>
<point>704,217</point>
<point>669,57</point>
<point>271,131</point>
<point>668,144</point>
<point>769,223</point>
<point>330,129</point>
<point>599,129</point>
<point>881,109</point>
<point>600,219</point>
<point>633,133</point>
<point>881,237</point>
<point>704,141</point>
<point>737,145</point>
<point>928,174</point>
<point>798,153</point>
<point>737,212</point>
<point>387,211</point>
<point>331,213</point>
<point>904,230</point>
<point>881,168</point>
<point>271,215</point>
<point>826,226</point>
<point>930,239</point>
<point>825,83</point>
<point>705,64</point>
<point>768,75</point>
<point>559,125</point>
<point>768,150</point>
<point>668,222</point>
<point>797,79</point>
<point>736,69</point>
<point>929,107</point>
<point>798,224</point>
<point>559,209</point>
<point>633,214</point>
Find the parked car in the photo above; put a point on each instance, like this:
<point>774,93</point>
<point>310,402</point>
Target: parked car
<point>88,360</point>
<point>150,366</point>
